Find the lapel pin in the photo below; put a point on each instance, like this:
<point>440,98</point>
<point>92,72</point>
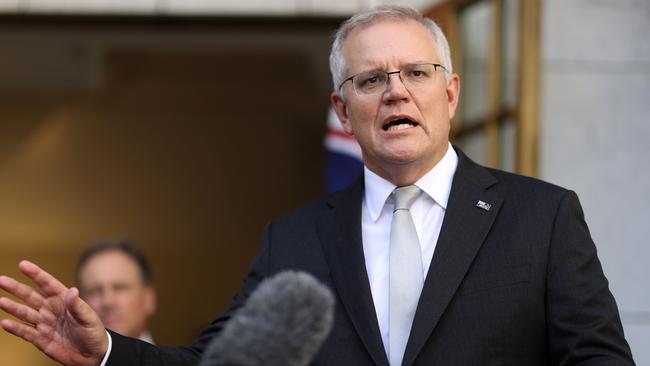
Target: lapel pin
<point>484,205</point>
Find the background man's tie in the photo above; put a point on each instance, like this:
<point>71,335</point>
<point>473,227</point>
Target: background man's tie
<point>405,273</point>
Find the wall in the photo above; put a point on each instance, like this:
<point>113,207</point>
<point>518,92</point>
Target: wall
<point>594,137</point>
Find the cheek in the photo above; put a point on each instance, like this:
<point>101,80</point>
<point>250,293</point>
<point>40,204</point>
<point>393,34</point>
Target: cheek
<point>362,119</point>
<point>437,115</point>
<point>136,303</point>
<point>126,300</point>
<point>94,302</point>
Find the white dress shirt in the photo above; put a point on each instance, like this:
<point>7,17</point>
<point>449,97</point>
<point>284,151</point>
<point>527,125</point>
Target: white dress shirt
<point>108,351</point>
<point>427,211</point>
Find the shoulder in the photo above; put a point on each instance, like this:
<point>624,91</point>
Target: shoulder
<point>536,202</point>
<point>521,184</point>
<point>508,185</point>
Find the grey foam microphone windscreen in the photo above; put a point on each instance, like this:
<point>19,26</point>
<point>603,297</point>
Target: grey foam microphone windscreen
<point>283,323</point>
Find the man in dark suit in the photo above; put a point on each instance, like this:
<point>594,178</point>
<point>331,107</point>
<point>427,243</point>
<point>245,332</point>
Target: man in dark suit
<point>433,259</point>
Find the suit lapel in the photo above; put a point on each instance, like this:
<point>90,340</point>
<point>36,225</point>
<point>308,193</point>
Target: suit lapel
<point>339,230</point>
<point>463,231</point>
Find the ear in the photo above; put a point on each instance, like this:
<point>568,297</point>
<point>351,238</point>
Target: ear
<point>341,109</point>
<point>453,94</point>
<point>150,300</point>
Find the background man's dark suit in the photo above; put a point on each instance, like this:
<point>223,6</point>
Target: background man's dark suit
<point>518,284</point>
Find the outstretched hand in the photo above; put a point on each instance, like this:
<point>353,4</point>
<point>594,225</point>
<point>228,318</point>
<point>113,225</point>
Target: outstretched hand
<point>54,319</point>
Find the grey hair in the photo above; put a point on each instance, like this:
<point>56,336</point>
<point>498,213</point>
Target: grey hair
<point>338,67</point>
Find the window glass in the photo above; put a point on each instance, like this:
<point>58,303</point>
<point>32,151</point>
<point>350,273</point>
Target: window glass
<point>474,145</point>
<point>509,53</point>
<point>508,145</point>
<point>475,29</point>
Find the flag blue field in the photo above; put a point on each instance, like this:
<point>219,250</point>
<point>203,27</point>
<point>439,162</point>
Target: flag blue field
<point>343,162</point>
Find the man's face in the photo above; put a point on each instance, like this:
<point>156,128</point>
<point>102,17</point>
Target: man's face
<point>111,283</point>
<point>390,45</point>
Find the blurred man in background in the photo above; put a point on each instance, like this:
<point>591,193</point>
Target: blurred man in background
<point>114,278</point>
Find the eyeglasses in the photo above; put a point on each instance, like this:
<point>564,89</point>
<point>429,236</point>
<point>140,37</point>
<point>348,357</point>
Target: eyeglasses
<point>376,81</point>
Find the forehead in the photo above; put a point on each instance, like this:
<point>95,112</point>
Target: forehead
<point>109,266</point>
<point>388,44</point>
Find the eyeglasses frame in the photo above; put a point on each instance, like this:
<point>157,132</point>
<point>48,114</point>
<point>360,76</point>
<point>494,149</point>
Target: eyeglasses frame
<point>388,74</point>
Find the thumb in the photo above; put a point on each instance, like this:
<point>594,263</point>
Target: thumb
<point>79,309</point>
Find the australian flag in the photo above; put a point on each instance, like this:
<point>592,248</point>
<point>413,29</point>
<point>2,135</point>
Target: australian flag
<point>343,163</point>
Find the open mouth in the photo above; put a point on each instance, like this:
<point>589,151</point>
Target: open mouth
<point>399,124</point>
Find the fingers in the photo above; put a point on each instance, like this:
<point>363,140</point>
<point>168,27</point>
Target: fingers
<point>80,310</point>
<point>20,330</point>
<point>50,285</point>
<point>27,294</point>
<point>20,311</point>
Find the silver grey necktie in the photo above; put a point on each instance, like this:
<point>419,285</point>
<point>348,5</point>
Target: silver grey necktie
<point>405,273</point>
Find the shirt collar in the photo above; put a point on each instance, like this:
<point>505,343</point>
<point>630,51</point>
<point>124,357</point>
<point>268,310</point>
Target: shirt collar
<point>436,183</point>
<point>147,337</point>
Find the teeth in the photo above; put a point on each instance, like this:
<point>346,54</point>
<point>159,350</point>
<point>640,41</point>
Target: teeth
<point>399,127</point>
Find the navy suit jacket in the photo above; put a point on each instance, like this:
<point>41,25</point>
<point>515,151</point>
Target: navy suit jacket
<point>518,284</point>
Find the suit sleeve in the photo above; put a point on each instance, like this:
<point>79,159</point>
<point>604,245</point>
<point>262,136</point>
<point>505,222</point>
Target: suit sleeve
<point>584,327</point>
<point>132,352</point>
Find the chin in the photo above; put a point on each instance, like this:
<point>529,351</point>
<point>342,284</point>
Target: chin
<point>401,157</point>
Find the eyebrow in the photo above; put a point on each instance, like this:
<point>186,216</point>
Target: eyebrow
<point>401,66</point>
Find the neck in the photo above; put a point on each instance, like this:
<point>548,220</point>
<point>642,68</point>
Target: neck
<point>406,174</point>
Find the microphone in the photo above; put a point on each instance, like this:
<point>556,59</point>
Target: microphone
<point>283,323</point>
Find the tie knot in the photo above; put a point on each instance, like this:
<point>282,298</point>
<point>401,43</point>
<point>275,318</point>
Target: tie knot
<point>405,196</point>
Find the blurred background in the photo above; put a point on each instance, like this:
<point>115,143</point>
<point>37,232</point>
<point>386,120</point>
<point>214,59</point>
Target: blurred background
<point>187,125</point>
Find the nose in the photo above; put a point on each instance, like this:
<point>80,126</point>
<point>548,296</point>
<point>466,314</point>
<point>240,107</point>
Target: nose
<point>108,299</point>
<point>396,89</point>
